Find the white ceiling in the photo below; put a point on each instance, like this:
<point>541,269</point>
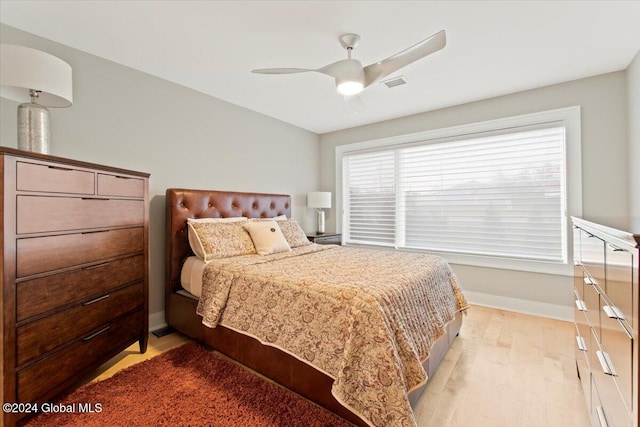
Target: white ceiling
<point>493,47</point>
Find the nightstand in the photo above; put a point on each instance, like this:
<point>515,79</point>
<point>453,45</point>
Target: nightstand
<point>326,238</point>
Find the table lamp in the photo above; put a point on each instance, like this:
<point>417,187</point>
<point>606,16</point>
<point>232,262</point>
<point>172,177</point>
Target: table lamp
<point>39,80</point>
<point>319,200</point>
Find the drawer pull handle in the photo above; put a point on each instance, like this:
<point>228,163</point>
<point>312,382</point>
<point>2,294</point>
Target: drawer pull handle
<point>95,198</point>
<point>613,312</point>
<point>122,177</point>
<point>95,300</point>
<point>581,305</point>
<point>92,267</point>
<point>95,232</point>
<point>581,344</point>
<point>614,248</point>
<point>601,418</point>
<point>605,363</point>
<point>95,334</point>
<point>589,281</point>
<point>59,168</point>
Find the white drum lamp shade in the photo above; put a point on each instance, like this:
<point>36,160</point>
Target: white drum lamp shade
<point>319,200</point>
<point>39,80</point>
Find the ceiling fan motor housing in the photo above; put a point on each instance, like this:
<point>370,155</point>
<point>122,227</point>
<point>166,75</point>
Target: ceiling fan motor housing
<point>349,76</point>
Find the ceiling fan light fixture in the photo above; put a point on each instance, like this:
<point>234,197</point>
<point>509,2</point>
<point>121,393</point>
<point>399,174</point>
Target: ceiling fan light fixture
<point>349,76</point>
<point>349,87</point>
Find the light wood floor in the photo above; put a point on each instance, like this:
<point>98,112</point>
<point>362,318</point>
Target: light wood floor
<point>505,369</point>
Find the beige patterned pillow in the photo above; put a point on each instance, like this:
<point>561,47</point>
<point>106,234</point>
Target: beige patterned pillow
<point>212,240</point>
<point>294,234</point>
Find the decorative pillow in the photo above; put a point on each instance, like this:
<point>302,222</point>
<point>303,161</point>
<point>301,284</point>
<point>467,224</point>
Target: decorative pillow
<point>211,240</point>
<point>294,234</point>
<point>267,237</point>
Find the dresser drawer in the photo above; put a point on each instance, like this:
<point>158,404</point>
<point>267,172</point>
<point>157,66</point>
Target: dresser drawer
<point>612,407</point>
<point>578,282</point>
<point>40,379</point>
<point>38,296</point>
<point>44,214</point>
<point>618,345</point>
<point>592,254</point>
<point>37,338</point>
<point>40,254</point>
<point>582,357</point>
<point>592,305</point>
<point>619,273</point>
<point>583,330</point>
<point>116,185</point>
<point>54,179</point>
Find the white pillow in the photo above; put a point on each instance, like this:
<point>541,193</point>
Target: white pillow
<point>194,240</point>
<point>267,237</point>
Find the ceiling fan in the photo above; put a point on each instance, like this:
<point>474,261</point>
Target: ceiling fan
<point>351,77</point>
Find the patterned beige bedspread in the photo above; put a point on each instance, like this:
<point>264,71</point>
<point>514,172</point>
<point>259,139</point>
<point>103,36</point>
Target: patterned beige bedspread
<point>366,318</point>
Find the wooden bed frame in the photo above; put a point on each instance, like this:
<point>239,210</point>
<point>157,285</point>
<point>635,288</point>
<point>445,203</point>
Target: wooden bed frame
<point>180,309</point>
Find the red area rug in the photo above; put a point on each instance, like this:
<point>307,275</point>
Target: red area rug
<point>187,386</point>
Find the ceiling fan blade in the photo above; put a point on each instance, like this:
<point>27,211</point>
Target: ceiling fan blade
<point>333,70</point>
<point>281,70</point>
<point>336,69</point>
<point>380,70</point>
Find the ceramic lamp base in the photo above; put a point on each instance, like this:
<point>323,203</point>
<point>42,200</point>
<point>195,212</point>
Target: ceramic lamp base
<point>319,221</point>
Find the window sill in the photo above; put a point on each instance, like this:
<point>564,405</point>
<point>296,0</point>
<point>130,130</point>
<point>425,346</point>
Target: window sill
<point>502,263</point>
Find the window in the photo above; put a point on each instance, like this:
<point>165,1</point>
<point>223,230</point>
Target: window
<point>499,191</point>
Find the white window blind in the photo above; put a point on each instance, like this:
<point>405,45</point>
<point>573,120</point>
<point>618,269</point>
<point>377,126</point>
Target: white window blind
<point>496,194</point>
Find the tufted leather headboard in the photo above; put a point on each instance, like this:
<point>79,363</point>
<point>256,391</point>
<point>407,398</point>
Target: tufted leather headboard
<point>185,203</point>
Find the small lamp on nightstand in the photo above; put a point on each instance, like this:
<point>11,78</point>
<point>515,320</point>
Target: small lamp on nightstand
<point>319,200</point>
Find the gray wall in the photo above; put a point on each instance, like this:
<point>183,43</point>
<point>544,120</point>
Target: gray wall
<point>633,101</point>
<point>604,165</point>
<point>128,119</point>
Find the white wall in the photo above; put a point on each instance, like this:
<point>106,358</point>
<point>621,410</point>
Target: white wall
<point>633,101</point>
<point>604,170</point>
<point>128,119</point>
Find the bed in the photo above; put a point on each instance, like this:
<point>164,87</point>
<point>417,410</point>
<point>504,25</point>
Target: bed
<point>287,368</point>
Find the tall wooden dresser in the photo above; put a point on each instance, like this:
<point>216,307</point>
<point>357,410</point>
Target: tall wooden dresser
<point>74,245</point>
<point>607,262</point>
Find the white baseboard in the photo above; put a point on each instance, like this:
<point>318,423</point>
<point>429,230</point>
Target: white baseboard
<point>156,321</point>
<point>535,308</point>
